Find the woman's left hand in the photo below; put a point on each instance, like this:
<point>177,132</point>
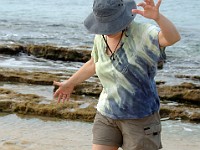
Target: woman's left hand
<point>151,10</point>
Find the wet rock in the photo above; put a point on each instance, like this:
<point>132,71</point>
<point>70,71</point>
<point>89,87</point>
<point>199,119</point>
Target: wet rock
<point>8,98</point>
<point>184,93</point>
<point>180,112</point>
<point>14,102</point>
<point>11,49</point>
<point>48,52</point>
<point>39,78</point>
<point>5,106</point>
<point>58,53</point>
<point>160,82</point>
<point>29,104</point>
<point>45,78</point>
<point>196,78</point>
<point>88,88</point>
<point>9,95</point>
<point>81,54</point>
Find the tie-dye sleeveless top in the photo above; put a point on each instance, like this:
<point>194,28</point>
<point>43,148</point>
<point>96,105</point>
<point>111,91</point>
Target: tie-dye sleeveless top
<point>129,90</point>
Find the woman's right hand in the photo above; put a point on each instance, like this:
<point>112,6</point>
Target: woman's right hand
<point>64,91</point>
<point>66,87</point>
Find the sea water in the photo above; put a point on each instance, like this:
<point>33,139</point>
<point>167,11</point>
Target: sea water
<point>41,133</point>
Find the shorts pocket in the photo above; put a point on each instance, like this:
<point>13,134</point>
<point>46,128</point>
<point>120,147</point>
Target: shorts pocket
<point>152,139</point>
<point>152,129</point>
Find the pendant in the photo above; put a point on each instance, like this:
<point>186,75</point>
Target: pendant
<point>112,57</point>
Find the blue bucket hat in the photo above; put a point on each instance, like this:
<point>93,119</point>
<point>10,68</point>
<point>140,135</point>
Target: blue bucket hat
<point>110,16</point>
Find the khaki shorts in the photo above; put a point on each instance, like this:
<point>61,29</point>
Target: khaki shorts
<point>133,134</point>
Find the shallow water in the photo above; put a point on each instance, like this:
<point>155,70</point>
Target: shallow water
<point>55,134</point>
<point>30,63</point>
<point>42,134</point>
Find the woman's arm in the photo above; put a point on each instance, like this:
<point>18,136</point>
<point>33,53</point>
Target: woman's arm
<point>168,34</point>
<point>66,87</point>
<point>84,73</point>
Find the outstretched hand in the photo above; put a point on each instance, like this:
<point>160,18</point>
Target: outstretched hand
<point>63,92</point>
<point>151,10</point>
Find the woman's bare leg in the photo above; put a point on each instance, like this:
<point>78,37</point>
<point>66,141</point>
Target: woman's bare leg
<point>103,147</point>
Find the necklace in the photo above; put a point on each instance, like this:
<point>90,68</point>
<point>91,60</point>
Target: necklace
<point>112,57</point>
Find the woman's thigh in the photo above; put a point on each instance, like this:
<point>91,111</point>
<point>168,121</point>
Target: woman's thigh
<point>106,133</point>
<point>103,147</point>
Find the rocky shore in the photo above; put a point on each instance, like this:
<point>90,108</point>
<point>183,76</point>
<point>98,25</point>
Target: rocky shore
<point>177,102</point>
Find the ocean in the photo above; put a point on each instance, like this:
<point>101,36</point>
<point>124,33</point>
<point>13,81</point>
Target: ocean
<point>41,133</point>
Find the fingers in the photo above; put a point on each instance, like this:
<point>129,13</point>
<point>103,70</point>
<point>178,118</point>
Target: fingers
<point>68,97</point>
<point>138,11</point>
<point>56,94</point>
<point>62,95</point>
<point>56,83</point>
<point>59,98</point>
<point>158,4</point>
<point>147,2</point>
<point>147,5</point>
<point>142,4</point>
<point>63,98</point>
<point>150,2</point>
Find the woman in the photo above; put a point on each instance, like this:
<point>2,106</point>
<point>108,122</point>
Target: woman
<point>124,56</point>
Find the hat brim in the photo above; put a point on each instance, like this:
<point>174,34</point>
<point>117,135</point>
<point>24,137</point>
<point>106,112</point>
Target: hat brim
<point>114,26</point>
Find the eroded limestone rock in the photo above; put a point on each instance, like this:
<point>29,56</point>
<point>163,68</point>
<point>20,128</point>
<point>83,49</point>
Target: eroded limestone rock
<point>184,93</point>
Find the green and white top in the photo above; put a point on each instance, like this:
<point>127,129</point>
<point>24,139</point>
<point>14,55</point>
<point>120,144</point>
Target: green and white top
<point>129,89</point>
